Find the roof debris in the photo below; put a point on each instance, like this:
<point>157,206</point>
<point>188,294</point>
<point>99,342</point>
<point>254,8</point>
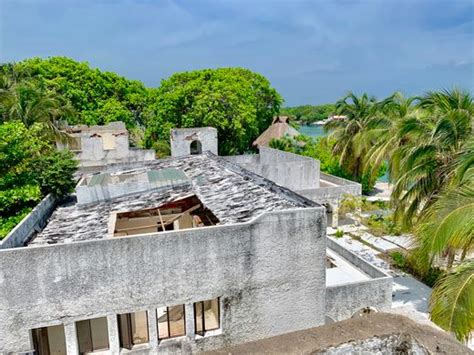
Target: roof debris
<point>232,193</point>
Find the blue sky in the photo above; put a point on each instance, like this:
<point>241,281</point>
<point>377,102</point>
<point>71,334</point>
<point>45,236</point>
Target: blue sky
<point>311,51</point>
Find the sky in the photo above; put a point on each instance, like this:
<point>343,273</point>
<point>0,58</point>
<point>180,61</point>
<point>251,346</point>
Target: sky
<point>312,52</point>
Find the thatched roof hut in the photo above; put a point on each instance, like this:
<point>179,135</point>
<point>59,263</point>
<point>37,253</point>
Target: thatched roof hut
<point>279,128</point>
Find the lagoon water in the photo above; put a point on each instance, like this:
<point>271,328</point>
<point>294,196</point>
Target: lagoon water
<point>312,131</point>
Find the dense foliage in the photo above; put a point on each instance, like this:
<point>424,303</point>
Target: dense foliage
<point>97,97</point>
<point>30,168</point>
<point>236,101</point>
<point>428,143</point>
<point>307,114</point>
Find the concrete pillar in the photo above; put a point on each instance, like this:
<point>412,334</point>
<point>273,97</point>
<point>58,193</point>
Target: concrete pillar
<point>152,328</point>
<point>189,311</point>
<point>70,333</point>
<point>114,339</point>
<point>335,214</point>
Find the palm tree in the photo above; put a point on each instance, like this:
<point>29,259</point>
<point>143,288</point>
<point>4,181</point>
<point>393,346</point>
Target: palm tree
<point>452,301</point>
<point>384,135</point>
<point>429,145</point>
<point>350,133</point>
<point>447,225</point>
<point>30,102</point>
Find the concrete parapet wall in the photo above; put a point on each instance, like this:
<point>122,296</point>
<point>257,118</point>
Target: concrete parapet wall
<point>269,273</point>
<point>337,180</point>
<point>343,301</point>
<point>107,157</point>
<point>34,221</point>
<point>355,260</point>
<point>289,170</point>
<point>251,159</point>
<point>332,194</point>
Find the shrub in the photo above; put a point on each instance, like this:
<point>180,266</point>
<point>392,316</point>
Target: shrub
<point>55,173</point>
<point>339,233</point>
<point>399,259</point>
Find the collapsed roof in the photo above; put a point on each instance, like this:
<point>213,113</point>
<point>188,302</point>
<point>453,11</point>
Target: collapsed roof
<point>232,193</point>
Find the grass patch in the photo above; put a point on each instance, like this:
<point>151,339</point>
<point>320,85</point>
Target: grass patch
<point>381,225</point>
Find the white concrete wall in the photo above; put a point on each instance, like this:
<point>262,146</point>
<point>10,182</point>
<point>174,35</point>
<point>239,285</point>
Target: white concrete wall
<point>289,170</point>
<point>181,139</point>
<point>342,301</point>
<point>269,273</point>
<point>34,221</point>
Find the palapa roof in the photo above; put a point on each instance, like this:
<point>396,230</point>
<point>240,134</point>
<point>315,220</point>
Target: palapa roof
<point>232,193</point>
<point>279,128</point>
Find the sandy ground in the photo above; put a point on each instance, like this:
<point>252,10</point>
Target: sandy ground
<point>382,191</point>
<point>314,340</point>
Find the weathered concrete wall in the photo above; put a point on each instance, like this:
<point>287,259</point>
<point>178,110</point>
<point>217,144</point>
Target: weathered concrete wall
<point>342,301</point>
<point>295,172</point>
<point>181,139</point>
<point>269,273</point>
<point>332,194</point>
<point>93,153</point>
<point>34,221</point>
<point>243,160</point>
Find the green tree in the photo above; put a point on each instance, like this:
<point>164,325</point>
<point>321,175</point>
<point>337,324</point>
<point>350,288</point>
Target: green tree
<point>30,168</point>
<point>307,114</point>
<point>427,155</point>
<point>353,136</point>
<point>30,102</point>
<point>447,225</point>
<point>236,101</point>
<point>452,301</point>
<point>98,97</point>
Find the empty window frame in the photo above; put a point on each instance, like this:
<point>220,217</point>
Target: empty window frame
<point>171,322</point>
<point>206,316</point>
<point>108,141</point>
<point>75,143</point>
<point>195,148</point>
<point>92,335</point>
<point>133,329</point>
<point>49,340</point>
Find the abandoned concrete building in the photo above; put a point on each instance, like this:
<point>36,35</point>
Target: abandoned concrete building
<point>185,254</point>
<point>103,145</point>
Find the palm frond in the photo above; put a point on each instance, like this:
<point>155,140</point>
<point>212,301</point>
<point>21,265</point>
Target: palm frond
<point>452,301</point>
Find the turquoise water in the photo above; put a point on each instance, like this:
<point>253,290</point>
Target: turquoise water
<point>318,131</point>
<point>312,131</point>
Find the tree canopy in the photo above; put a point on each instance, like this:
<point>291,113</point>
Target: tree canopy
<point>30,168</point>
<point>236,101</point>
<point>98,97</point>
<point>307,114</point>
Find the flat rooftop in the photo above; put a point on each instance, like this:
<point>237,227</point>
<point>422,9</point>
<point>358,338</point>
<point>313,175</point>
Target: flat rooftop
<point>356,335</point>
<point>342,271</point>
<point>231,193</point>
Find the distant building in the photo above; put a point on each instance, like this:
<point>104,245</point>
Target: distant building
<point>185,254</point>
<point>279,128</point>
<point>337,118</point>
<point>103,145</point>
